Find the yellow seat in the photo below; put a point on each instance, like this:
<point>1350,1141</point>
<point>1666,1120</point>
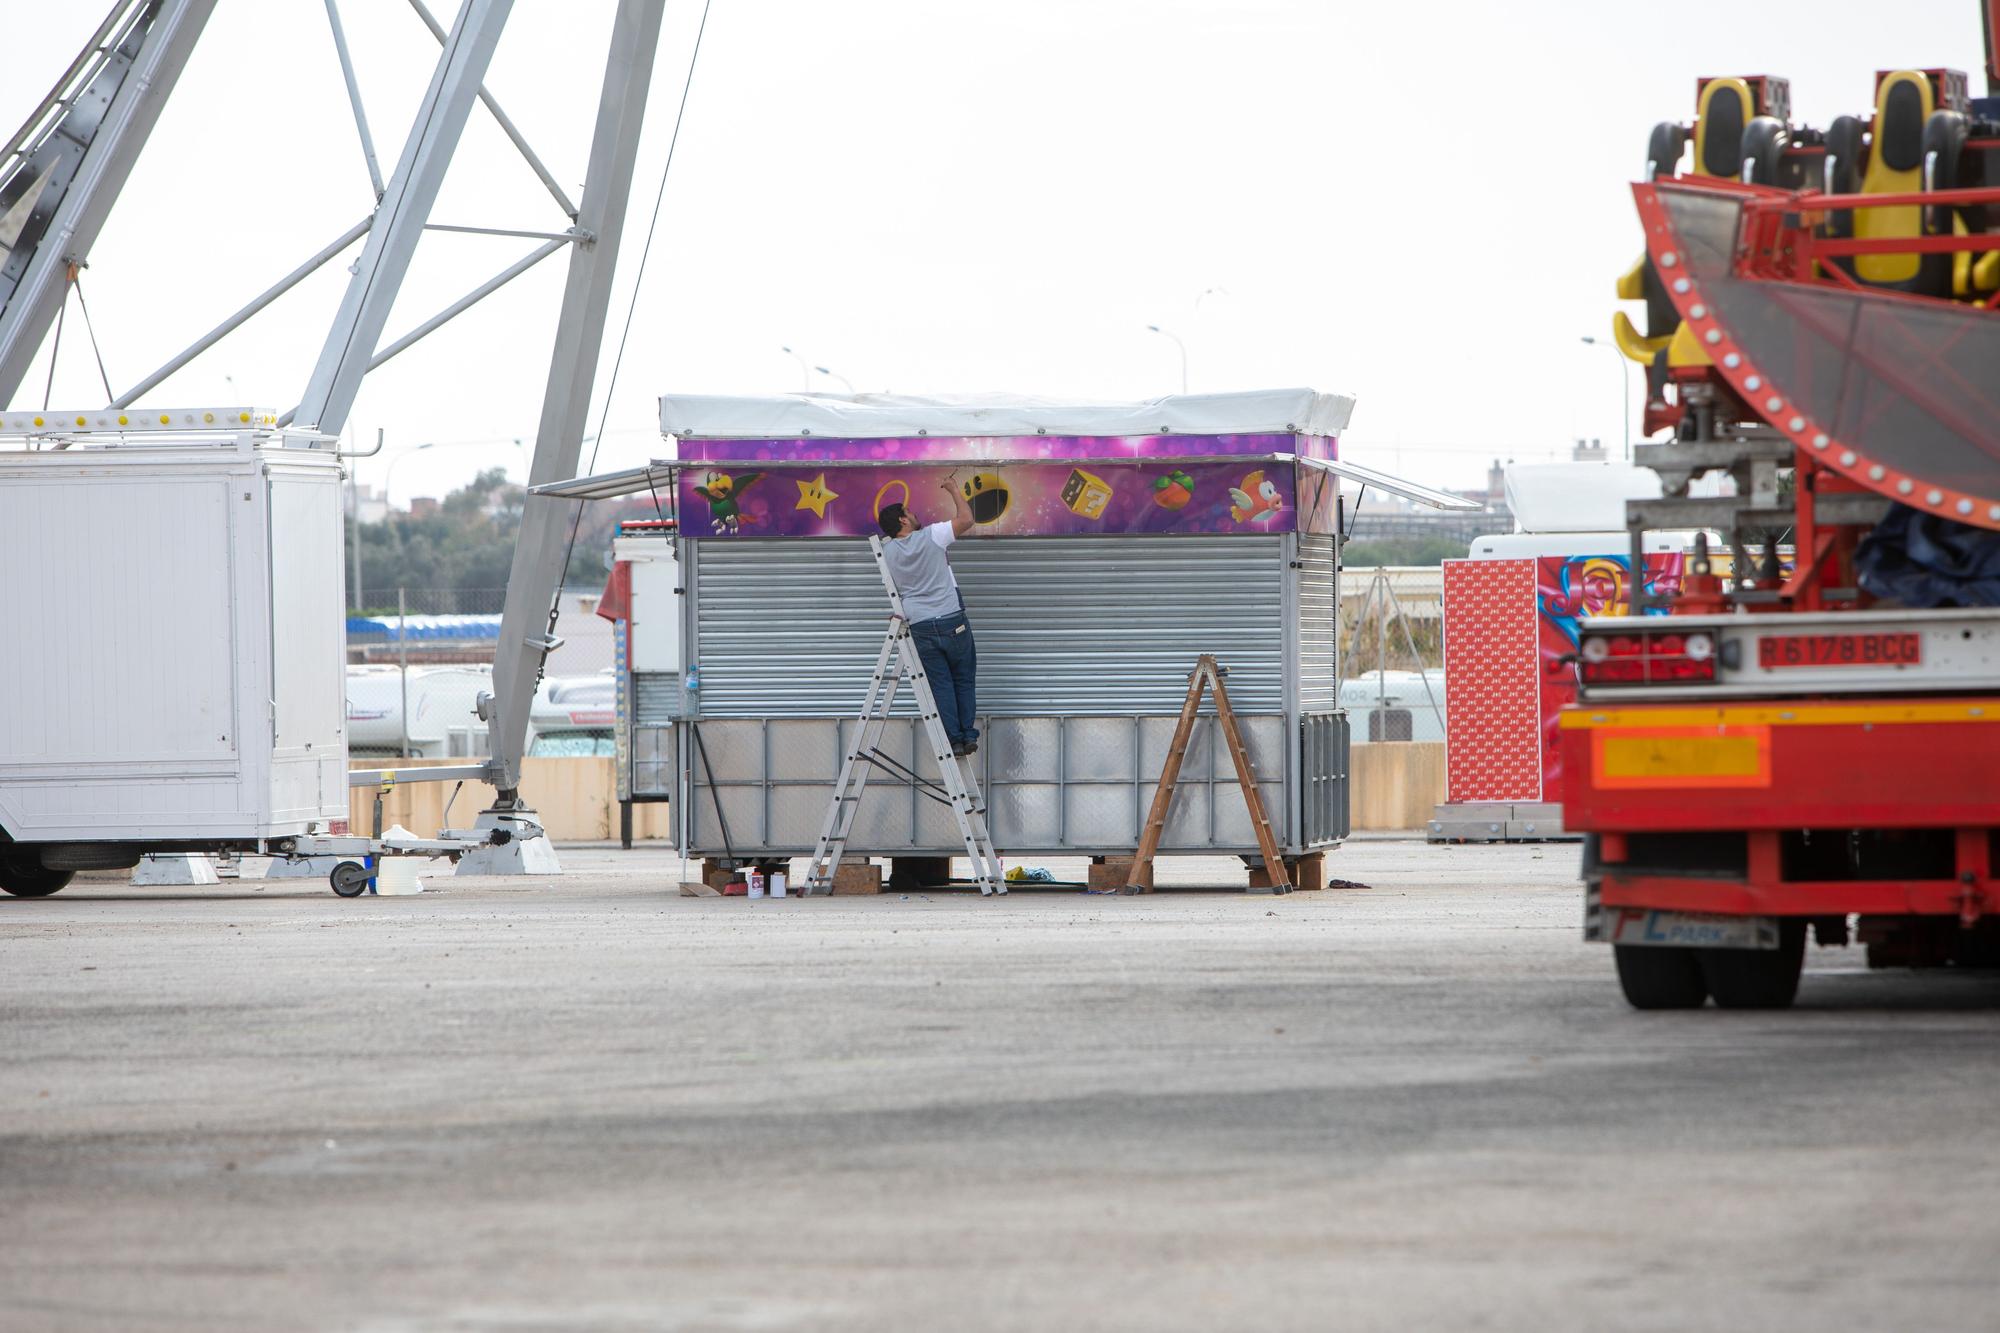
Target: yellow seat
<point>1903,102</point>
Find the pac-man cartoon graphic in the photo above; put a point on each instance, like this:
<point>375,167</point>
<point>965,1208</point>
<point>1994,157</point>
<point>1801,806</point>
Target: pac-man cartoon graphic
<point>1256,500</point>
<point>723,492</point>
<point>814,495</point>
<point>1086,493</point>
<point>986,495</point>
<point>1173,490</point>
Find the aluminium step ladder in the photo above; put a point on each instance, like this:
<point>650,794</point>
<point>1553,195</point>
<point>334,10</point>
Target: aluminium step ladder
<point>957,790</point>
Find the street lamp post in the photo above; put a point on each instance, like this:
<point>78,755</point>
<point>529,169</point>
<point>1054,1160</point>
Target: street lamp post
<point>388,477</point>
<point>1625,402</point>
<point>834,374</point>
<point>805,371</point>
<point>1154,328</point>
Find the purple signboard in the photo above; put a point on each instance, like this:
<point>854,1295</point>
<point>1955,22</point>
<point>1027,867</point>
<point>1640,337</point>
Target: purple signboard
<point>1031,499</point>
<point>974,448</point>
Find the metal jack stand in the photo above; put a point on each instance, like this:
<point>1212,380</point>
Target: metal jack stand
<point>897,660</point>
<point>1206,673</point>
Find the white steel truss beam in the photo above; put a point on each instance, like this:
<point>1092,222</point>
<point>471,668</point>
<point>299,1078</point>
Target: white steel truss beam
<point>538,551</point>
<point>506,125</point>
<point>93,179</point>
<point>400,217</point>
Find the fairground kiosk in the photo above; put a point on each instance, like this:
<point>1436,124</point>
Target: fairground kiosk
<point>1113,544</point>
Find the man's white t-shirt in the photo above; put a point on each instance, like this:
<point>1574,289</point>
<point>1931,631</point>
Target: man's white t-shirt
<point>922,573</point>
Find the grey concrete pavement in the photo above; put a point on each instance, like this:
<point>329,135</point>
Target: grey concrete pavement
<point>589,1104</point>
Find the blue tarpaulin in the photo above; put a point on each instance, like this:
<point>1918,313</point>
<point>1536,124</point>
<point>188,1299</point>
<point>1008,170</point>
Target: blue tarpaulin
<point>432,628</point>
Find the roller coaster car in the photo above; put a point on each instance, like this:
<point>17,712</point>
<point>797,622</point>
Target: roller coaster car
<point>1916,142</point>
<point>1741,131</point>
<point>1920,139</point>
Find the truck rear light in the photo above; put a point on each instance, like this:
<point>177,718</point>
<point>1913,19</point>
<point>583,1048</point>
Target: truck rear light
<point>1646,657</point>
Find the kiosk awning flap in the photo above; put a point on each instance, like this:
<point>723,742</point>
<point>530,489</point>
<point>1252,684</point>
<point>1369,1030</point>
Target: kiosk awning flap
<point>1382,481</point>
<point>657,475</point>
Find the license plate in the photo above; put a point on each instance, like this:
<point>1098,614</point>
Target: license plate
<point>1700,930</point>
<point>1798,650</point>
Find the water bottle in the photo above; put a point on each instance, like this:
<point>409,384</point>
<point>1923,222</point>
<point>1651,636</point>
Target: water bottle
<point>693,690</point>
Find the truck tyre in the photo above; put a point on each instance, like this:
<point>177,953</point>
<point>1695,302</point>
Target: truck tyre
<point>91,855</point>
<point>1757,978</point>
<point>1660,977</point>
<point>27,877</point>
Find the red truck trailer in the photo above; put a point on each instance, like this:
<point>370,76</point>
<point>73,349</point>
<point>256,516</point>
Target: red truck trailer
<point>1807,747</point>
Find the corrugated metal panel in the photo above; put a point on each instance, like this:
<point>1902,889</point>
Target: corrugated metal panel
<point>1065,626</point>
<point>656,697</point>
<point>1319,623</point>
<point>1323,799</point>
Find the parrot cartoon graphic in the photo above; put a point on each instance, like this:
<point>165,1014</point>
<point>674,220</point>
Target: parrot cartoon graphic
<point>722,492</point>
<point>1257,499</point>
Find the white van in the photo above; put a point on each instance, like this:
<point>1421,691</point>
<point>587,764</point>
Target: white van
<point>441,699</point>
<point>1394,706</point>
<point>575,716</point>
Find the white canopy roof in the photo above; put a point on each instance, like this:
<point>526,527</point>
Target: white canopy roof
<point>881,416</point>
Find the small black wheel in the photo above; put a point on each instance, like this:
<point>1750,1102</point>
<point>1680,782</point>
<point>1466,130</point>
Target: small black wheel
<point>27,877</point>
<point>350,879</point>
<point>1757,978</point>
<point>1660,976</point>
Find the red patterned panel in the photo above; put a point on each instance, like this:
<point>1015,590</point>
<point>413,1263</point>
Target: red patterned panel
<point>1493,748</point>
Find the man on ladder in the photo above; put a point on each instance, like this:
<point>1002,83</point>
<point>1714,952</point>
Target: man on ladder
<point>928,643</point>
<point>936,611</point>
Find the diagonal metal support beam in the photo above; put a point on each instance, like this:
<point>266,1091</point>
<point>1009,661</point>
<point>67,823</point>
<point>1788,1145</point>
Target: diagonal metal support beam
<point>506,125</point>
<point>538,550</point>
<point>470,299</point>
<point>457,308</point>
<point>354,96</point>
<point>400,218</point>
<point>235,321</point>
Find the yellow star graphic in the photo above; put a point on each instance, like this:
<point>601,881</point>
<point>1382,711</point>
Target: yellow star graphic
<point>814,495</point>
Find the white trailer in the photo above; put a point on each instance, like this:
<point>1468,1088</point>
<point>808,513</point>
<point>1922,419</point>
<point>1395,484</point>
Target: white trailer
<point>172,680</point>
<point>442,723</point>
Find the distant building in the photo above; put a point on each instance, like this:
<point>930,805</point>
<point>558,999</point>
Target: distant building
<point>423,506</point>
<point>1591,452</point>
<point>586,648</point>
<point>368,502</point>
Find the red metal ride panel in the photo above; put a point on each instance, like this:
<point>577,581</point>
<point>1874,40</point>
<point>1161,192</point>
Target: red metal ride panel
<point>1493,748</point>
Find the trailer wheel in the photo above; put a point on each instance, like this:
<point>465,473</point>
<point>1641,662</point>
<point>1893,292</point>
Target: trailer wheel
<point>27,877</point>
<point>1757,978</point>
<point>350,879</point>
<point>1660,977</point>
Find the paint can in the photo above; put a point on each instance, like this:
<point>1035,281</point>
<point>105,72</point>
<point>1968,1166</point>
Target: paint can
<point>755,879</point>
<point>777,884</point>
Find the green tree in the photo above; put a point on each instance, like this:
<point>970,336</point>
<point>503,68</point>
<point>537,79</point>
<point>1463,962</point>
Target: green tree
<point>461,555</point>
<point>1402,551</point>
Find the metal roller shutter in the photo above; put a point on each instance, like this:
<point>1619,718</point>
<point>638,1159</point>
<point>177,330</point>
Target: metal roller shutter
<point>1066,626</point>
<point>1319,624</point>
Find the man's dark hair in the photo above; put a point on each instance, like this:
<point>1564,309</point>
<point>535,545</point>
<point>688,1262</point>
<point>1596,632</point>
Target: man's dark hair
<point>891,519</point>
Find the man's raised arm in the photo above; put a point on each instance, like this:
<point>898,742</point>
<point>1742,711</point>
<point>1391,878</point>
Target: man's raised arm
<point>961,518</point>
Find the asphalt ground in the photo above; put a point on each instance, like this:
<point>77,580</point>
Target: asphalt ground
<point>590,1103</point>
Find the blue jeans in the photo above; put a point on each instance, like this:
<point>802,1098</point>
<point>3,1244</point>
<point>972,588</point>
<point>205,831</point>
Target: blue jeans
<point>944,646</point>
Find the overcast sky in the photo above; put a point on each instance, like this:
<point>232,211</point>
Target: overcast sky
<point>1424,205</point>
